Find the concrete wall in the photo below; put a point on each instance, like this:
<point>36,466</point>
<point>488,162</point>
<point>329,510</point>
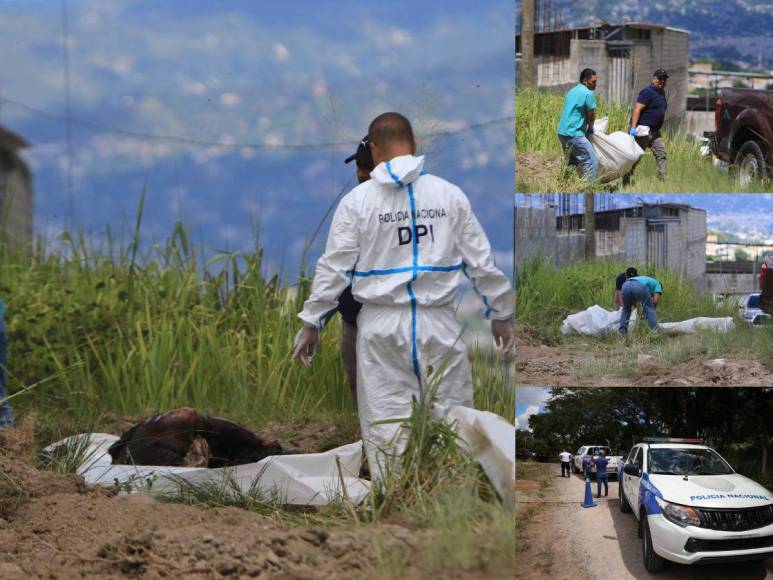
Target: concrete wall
<point>670,50</point>
<point>696,244</point>
<point>634,231</point>
<point>731,283</point>
<point>696,122</point>
<point>536,236</point>
<point>16,200</point>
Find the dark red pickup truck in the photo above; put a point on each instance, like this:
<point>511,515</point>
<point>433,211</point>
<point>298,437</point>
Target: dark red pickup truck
<point>744,132</point>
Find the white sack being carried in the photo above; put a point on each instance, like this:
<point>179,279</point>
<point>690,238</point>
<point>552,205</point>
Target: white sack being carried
<point>594,321</point>
<point>692,325</point>
<point>303,479</point>
<point>617,153</point>
<point>491,440</point>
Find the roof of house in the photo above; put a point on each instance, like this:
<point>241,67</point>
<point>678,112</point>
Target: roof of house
<point>10,140</point>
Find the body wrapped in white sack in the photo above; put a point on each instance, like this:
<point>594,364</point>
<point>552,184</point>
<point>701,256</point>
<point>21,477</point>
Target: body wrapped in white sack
<point>617,153</point>
<point>693,325</point>
<point>302,479</point>
<point>595,321</point>
<point>490,439</point>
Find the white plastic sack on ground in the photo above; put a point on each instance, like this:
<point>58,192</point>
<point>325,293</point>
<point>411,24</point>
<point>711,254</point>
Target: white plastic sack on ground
<point>491,441</point>
<point>304,479</point>
<point>692,325</point>
<point>594,321</point>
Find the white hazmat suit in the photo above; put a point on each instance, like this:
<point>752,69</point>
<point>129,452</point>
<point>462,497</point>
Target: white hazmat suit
<point>404,239</point>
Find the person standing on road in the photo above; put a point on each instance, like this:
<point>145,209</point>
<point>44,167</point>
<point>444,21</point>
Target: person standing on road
<point>586,466</point>
<point>404,238</point>
<point>650,111</point>
<point>566,459</point>
<point>766,284</point>
<point>619,281</point>
<point>600,461</point>
<point>576,124</point>
<point>640,290</point>
<point>6,417</point>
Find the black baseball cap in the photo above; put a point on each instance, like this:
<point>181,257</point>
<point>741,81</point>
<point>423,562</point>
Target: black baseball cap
<point>660,73</point>
<point>362,155</point>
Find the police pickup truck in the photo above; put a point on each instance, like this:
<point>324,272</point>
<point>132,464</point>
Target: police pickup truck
<point>592,451</point>
<point>692,506</point>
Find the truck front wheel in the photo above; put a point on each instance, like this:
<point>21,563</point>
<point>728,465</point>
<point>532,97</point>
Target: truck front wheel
<point>750,163</point>
<point>652,562</point>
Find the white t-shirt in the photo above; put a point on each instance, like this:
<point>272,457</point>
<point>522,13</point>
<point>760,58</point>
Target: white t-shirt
<point>565,456</point>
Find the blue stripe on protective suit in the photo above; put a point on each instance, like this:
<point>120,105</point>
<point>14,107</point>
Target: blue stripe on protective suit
<point>386,272</point>
<point>393,176</point>
<point>487,312</point>
<point>414,348</point>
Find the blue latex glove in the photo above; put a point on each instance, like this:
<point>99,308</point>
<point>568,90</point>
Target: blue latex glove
<point>632,132</point>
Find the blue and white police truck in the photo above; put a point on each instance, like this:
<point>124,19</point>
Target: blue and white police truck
<point>692,506</point>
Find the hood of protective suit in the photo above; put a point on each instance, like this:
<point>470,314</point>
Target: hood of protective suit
<point>398,172</point>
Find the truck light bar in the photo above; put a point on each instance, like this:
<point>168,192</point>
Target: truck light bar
<point>697,440</point>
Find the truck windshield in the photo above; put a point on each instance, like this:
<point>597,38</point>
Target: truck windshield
<point>687,462</point>
<point>754,301</point>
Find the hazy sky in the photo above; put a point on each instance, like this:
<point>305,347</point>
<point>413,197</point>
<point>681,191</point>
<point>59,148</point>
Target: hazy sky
<point>152,83</point>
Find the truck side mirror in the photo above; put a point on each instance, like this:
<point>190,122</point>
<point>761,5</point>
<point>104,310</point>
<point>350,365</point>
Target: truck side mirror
<point>631,469</point>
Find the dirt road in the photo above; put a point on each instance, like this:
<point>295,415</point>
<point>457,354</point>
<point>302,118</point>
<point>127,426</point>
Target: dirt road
<point>565,540</point>
<point>579,365</point>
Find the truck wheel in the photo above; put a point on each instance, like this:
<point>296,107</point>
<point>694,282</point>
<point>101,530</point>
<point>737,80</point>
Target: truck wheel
<point>751,164</point>
<point>624,507</point>
<point>652,562</point>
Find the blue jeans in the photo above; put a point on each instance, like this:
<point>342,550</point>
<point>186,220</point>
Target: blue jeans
<point>6,419</point>
<point>581,154</point>
<point>599,478</point>
<point>635,292</point>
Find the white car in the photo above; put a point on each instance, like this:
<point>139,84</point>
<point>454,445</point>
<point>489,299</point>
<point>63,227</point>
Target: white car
<point>592,451</point>
<point>692,506</point>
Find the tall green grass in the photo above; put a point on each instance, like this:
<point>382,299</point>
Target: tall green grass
<point>126,330</point>
<point>538,113</point>
<point>545,296</point>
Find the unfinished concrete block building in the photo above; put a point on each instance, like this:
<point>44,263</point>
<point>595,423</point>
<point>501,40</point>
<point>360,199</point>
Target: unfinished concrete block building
<point>16,198</point>
<point>623,55</point>
<point>665,235</point>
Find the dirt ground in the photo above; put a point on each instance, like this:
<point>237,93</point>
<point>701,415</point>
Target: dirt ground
<point>52,526</point>
<point>538,364</point>
<point>561,539</point>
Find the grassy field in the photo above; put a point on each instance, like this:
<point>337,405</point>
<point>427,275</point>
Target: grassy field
<point>544,297</point>
<point>540,167</point>
<point>100,333</point>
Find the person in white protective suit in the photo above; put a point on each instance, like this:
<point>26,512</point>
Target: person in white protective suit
<point>405,239</point>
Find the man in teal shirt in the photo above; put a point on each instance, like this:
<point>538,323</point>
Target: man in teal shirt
<point>640,290</point>
<point>576,124</point>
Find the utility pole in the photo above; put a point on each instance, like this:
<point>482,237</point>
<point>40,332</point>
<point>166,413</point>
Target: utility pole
<point>527,44</point>
<point>590,226</point>
<point>67,112</point>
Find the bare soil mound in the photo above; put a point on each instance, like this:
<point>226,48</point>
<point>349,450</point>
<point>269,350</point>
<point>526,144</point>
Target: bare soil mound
<point>552,366</point>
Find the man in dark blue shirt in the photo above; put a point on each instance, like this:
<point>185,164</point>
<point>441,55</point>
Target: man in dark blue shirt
<point>650,112</point>
<point>600,461</point>
<point>347,305</point>
<point>619,281</point>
